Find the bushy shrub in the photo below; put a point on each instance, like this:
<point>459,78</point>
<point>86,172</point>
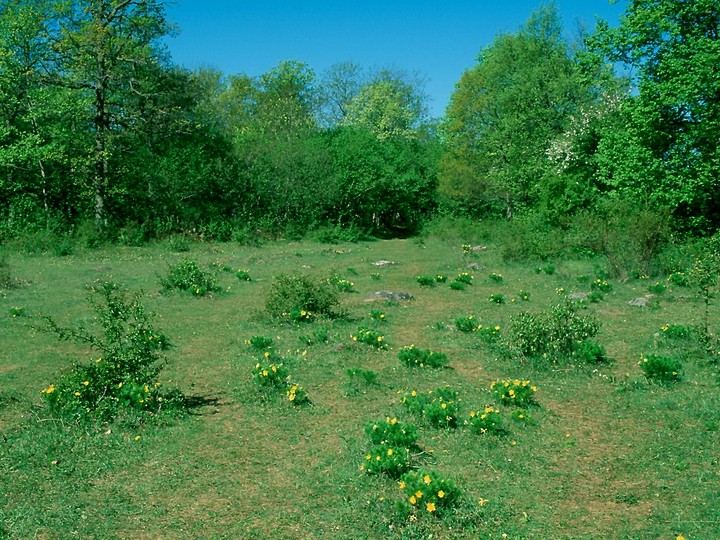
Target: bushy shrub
<point>411,356</point>
<point>551,334</point>
<point>515,392</point>
<point>426,492</point>
<point>486,421</point>
<point>589,352</point>
<point>5,278</point>
<point>440,407</point>
<point>187,276</point>
<point>661,369</point>
<point>124,377</point>
<point>289,293</point>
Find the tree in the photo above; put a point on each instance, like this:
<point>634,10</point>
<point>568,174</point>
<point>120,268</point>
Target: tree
<point>339,85</point>
<point>503,115</point>
<point>673,49</point>
<point>106,51</point>
<point>390,105</point>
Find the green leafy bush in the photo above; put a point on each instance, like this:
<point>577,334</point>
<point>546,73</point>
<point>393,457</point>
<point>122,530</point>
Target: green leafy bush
<point>457,286</point>
<point>243,275</point>
<point>466,324</point>
<point>425,281</point>
<point>187,276</point>
<point>440,407</point>
<point>270,375</point>
<point>259,342</point>
<point>411,356</point>
<point>464,278</point>
<point>393,433</point>
<point>370,337</point>
<point>514,392</point>
<point>497,298</point>
<point>427,493</point>
<point>486,421</point>
<point>384,459</point>
<point>342,284</point>
<point>551,334</point>
<point>676,331</point>
<point>123,379</point>
<point>290,295</point>
<point>661,369</point>
<point>589,352</point>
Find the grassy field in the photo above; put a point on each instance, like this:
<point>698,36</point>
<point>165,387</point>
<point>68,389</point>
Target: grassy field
<point>609,455</point>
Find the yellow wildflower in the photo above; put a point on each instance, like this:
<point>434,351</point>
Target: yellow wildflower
<point>413,500</point>
<point>441,494</point>
<point>419,494</point>
<point>427,479</point>
<point>402,485</point>
<point>390,452</point>
<point>430,507</point>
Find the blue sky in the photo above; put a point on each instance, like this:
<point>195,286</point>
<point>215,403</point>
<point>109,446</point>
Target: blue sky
<point>437,39</point>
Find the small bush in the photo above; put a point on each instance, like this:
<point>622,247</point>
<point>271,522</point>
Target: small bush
<point>657,288</point>
<point>524,296</point>
<point>243,275</point>
<point>123,379</point>
<point>464,278</point>
<point>440,407</point>
<point>414,357</point>
<point>270,375</point>
<point>457,286</point>
<point>497,298</point>
<point>425,281</point>
<point>377,315</point>
<point>440,278</point>
<point>391,432</point>
<point>589,352</point>
<point>514,392</point>
<point>259,342</point>
<point>661,369</point>
<point>679,279</point>
<point>466,324</point>
<point>384,459</point>
<point>296,394</point>
<point>486,421</point>
<point>675,331</point>
<point>496,278</point>
<point>427,493</point>
<point>293,294</point>
<point>187,276</point>
<point>342,284</point>
<point>179,243</point>
<point>551,334</point>
<point>369,337</point>
<point>601,285</point>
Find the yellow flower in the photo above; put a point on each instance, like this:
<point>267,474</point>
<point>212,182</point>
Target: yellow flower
<point>419,494</point>
<point>303,313</point>
<point>390,452</point>
<point>377,458</point>
<point>488,410</point>
<point>472,414</point>
<point>441,494</point>
<point>77,393</point>
<point>265,372</point>
<point>533,388</point>
<point>443,406</point>
<point>367,457</point>
<point>413,393</point>
<point>413,500</point>
<point>86,383</point>
<point>274,369</point>
<point>380,338</point>
<point>427,479</point>
<point>430,507</point>
<point>394,421</point>
<point>267,354</point>
<point>49,390</point>
<point>402,485</point>
<point>680,537</point>
<point>482,502</point>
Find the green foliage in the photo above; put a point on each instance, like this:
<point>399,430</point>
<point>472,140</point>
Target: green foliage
<point>552,334</point>
<point>392,433</point>
<point>661,369</point>
<point>515,392</point>
<point>384,459</point>
<point>497,298</point>
<point>123,379</point>
<point>270,375</point>
<point>259,343</point>
<point>495,277</point>
<point>426,281</point>
<point>601,285</point>
<point>467,324</point>
<point>187,276</point>
<point>426,493</point>
<point>464,278</point>
<point>411,356</point>
<point>457,285</point>
<point>439,407</point>
<point>6,280</point>
<point>377,315</point>
<point>589,352</point>
<point>675,331</point>
<point>486,421</point>
<point>295,294</point>
<point>369,336</point>
<point>524,295</point>
<point>243,275</point>
<point>342,284</point>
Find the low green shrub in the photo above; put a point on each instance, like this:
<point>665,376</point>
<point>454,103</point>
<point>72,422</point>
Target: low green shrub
<point>497,298</point>
<point>123,379</point>
<point>466,324</point>
<point>370,337</point>
<point>661,369</point>
<point>464,278</point>
<point>515,392</point>
<point>259,343</point>
<point>551,334</point>
<point>427,493</point>
<point>290,295</point>
<point>393,433</point>
<point>243,275</point>
<point>425,281</point>
<point>384,459</point>
<point>439,407</point>
<point>486,421</point>
<point>411,356</point>
<point>676,331</point>
<point>589,352</point>
<point>187,276</point>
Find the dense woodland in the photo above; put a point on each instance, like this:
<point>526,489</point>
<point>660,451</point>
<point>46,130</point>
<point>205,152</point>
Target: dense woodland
<point>103,136</point>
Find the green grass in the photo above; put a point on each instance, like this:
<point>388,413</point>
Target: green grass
<point>611,455</point>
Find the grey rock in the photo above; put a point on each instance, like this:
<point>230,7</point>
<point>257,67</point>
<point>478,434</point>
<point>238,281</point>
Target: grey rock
<point>476,266</point>
<point>384,263</point>
<point>389,295</point>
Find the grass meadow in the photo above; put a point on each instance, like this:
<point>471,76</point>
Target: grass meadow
<point>607,454</point>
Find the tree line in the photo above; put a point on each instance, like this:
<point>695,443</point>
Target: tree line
<point>99,128</point>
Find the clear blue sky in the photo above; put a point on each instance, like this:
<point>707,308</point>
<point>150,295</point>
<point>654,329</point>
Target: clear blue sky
<point>437,39</point>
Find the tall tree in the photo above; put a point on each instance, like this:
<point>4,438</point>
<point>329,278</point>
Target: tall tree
<point>106,50</point>
<point>673,49</point>
<point>504,113</point>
